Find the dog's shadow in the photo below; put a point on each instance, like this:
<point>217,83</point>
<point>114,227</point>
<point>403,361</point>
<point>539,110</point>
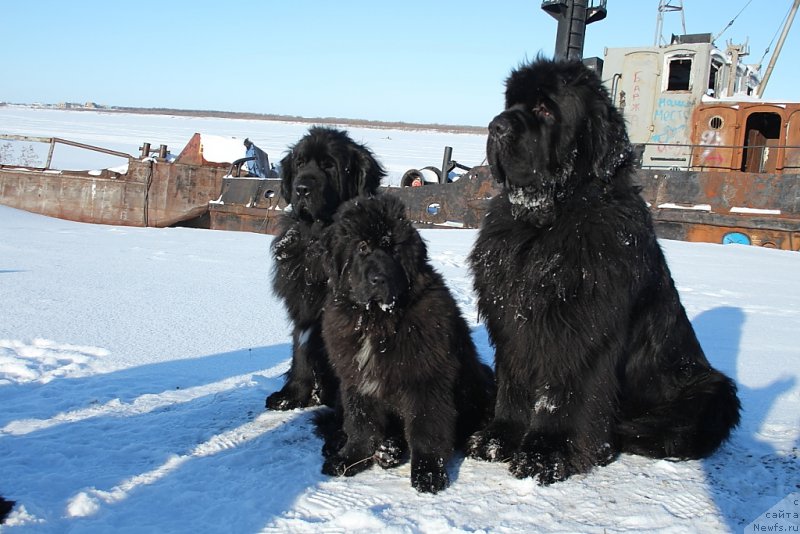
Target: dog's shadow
<point>130,448</point>
<point>746,475</point>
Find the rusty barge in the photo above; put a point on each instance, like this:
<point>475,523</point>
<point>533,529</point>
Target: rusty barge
<point>716,162</point>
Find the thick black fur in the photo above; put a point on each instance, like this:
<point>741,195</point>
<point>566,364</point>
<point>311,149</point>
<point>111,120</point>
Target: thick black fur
<point>594,352</point>
<point>409,373</point>
<point>321,171</point>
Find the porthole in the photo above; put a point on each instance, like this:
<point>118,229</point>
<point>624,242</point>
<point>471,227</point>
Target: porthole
<point>735,238</point>
<point>716,122</point>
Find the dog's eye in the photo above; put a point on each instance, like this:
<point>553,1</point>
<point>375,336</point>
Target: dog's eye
<point>299,161</point>
<point>327,163</point>
<point>363,247</point>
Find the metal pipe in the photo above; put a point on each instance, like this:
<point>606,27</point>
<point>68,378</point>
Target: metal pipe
<point>448,154</point>
<point>50,154</point>
<point>53,140</point>
<point>778,47</point>
<point>90,147</point>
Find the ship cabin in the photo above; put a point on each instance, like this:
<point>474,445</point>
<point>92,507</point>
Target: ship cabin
<point>691,106</point>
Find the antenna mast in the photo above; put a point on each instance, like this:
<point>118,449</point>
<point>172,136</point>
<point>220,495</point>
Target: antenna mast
<point>663,7</point>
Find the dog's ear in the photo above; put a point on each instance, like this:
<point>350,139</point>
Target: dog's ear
<point>287,176</point>
<point>610,145</point>
<point>365,170</point>
<point>605,136</point>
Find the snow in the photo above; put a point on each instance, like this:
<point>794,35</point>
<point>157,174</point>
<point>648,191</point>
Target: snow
<point>218,149</point>
<point>134,364</point>
<point>755,211</point>
<point>697,207</point>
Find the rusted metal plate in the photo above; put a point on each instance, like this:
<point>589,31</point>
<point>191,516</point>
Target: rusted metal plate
<point>247,204</point>
<point>722,207</point>
<point>149,194</point>
<point>107,199</point>
<point>461,204</point>
<point>724,191</point>
<point>180,192</point>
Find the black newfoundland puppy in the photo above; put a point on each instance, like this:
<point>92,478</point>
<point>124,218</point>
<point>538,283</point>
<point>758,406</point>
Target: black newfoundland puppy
<point>321,171</point>
<point>594,352</point>
<point>408,369</point>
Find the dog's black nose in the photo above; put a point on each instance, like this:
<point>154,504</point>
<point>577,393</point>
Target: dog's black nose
<point>302,190</point>
<point>500,126</point>
<point>377,279</point>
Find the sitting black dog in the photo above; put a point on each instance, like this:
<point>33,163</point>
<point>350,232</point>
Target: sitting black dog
<point>322,170</point>
<point>594,352</point>
<point>408,369</point>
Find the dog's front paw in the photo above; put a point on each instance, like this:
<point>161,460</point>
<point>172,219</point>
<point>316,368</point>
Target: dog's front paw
<point>428,474</point>
<point>285,400</point>
<point>344,466</point>
<point>390,453</point>
<point>487,445</point>
<point>541,457</point>
<point>549,468</point>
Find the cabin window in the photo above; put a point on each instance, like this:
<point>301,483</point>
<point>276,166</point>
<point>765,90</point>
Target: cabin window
<point>680,71</point>
<point>714,79</point>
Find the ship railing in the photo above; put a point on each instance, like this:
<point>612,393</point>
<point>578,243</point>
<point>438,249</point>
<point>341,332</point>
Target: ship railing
<point>52,141</point>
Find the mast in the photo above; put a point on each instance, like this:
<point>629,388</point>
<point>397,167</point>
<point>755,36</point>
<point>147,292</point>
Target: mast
<point>572,17</point>
<point>663,7</point>
<point>774,58</point>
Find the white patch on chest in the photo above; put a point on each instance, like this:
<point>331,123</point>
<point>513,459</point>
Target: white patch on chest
<point>302,339</point>
<point>364,354</point>
<point>368,385</point>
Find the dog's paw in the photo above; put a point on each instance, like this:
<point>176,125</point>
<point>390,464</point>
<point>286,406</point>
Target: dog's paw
<point>282,401</point>
<point>541,457</point>
<point>333,444</point>
<point>390,453</point>
<point>486,445</point>
<point>548,468</point>
<point>342,466</point>
<point>428,474</point>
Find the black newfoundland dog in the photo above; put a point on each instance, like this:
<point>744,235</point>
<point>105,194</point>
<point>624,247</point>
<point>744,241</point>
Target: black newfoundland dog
<point>321,171</point>
<point>409,373</point>
<point>594,352</point>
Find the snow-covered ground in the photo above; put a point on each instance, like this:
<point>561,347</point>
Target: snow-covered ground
<point>134,364</point>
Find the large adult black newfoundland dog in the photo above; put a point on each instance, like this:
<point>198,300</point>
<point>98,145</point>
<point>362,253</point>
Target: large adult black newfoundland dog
<point>321,171</point>
<point>594,352</point>
<point>409,372</point>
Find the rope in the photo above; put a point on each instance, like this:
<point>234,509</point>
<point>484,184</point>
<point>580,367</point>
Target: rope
<point>731,22</point>
<point>783,21</point>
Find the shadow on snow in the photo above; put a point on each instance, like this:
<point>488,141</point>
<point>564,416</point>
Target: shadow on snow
<point>747,475</point>
<point>164,456</point>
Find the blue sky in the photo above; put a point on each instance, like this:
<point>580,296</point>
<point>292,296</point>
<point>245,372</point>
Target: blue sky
<point>441,61</point>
